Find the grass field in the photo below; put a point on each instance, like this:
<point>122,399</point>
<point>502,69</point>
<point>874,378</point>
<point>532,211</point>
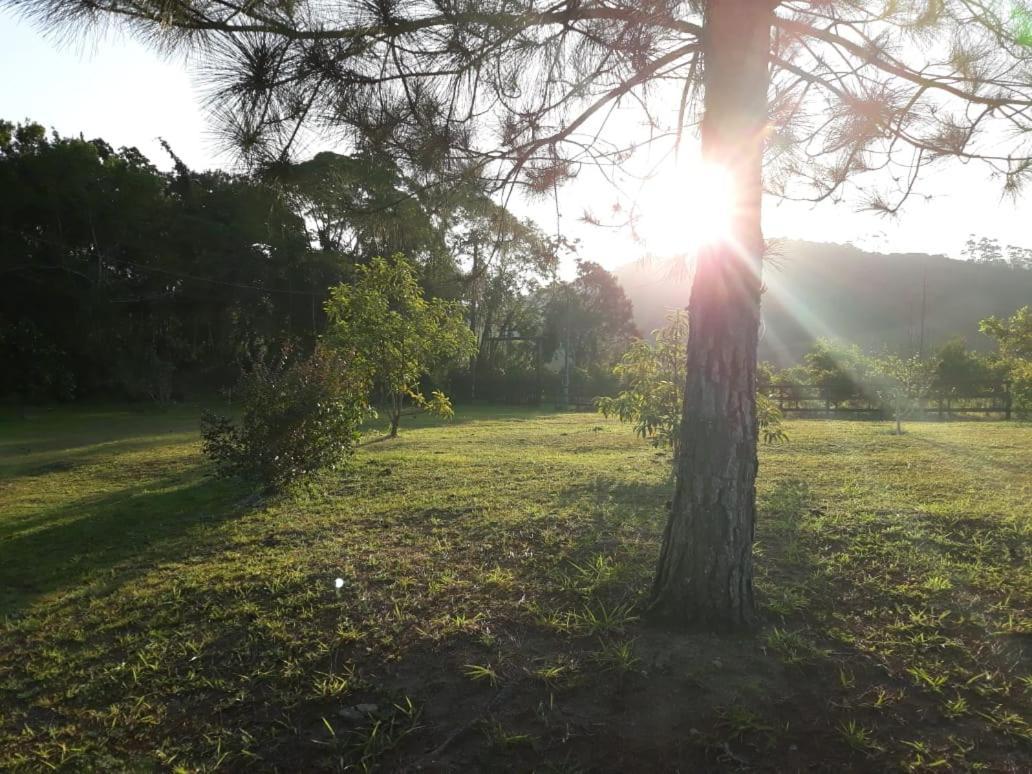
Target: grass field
<point>154,618</point>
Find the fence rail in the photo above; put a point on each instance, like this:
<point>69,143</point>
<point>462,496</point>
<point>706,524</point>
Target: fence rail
<point>823,400</point>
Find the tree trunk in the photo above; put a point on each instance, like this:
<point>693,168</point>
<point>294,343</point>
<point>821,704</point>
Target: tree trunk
<point>396,404</point>
<point>705,574</point>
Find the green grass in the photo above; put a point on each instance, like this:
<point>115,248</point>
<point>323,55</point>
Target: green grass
<point>152,617</point>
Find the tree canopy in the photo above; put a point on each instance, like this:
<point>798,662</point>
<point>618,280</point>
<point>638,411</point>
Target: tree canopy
<point>856,86</point>
<point>117,272</point>
<point>1014,335</point>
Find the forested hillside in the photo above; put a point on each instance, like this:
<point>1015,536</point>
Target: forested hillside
<point>838,291</point>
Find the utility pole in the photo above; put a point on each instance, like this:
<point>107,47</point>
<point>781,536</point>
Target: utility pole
<point>566,354</point>
<point>474,360</point>
<point>924,298</point>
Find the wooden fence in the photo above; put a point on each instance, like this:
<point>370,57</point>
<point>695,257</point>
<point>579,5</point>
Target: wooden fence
<point>818,400</point>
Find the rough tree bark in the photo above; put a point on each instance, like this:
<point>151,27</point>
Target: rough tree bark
<point>705,573</point>
<point>396,404</point>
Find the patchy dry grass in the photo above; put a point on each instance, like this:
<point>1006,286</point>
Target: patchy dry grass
<point>154,618</point>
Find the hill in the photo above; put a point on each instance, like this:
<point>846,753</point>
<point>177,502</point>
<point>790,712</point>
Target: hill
<point>842,292</point>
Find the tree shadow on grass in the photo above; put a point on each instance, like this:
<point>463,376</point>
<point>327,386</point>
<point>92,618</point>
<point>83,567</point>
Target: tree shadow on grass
<point>67,428</point>
<point>32,463</point>
<point>67,546</point>
<point>693,701</point>
<point>635,514</point>
<point>338,693</point>
<point>972,457</point>
<point>615,501</point>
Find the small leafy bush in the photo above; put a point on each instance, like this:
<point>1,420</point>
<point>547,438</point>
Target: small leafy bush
<point>1021,388</point>
<point>299,415</point>
<point>901,384</point>
<point>768,420</point>
<point>653,379</point>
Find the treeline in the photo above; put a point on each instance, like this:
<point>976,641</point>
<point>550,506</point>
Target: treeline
<point>123,281</point>
<point>987,250</point>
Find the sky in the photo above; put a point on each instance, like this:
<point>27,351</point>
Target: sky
<point>115,88</point>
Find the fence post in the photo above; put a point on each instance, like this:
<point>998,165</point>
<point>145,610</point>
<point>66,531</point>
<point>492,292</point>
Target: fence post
<point>1006,400</point>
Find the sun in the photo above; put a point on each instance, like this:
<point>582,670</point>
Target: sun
<point>684,208</point>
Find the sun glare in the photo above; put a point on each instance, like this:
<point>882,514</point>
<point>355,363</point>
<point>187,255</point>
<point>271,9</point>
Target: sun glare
<point>685,208</point>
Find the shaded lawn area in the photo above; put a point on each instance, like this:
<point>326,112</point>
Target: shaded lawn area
<point>152,617</point>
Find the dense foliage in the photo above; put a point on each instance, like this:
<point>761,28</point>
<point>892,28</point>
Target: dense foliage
<point>124,281</point>
<point>505,261</point>
<point>588,326</point>
<point>1021,388</point>
<point>843,371</point>
<point>1013,338</point>
<point>298,415</point>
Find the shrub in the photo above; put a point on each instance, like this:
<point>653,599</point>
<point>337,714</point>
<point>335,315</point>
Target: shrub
<point>299,415</point>
<point>653,379</point>
<point>1021,388</point>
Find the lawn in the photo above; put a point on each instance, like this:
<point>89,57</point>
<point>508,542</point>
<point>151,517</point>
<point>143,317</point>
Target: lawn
<point>154,618</point>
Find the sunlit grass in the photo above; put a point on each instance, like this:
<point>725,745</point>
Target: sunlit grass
<point>490,575</point>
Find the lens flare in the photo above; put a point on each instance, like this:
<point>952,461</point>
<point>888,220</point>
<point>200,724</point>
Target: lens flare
<point>686,208</point>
